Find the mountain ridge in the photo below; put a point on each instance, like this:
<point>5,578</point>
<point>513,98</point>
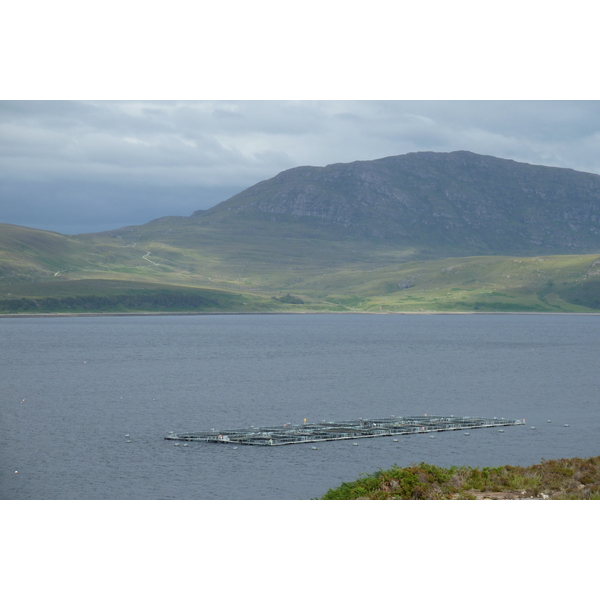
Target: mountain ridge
<point>476,203</point>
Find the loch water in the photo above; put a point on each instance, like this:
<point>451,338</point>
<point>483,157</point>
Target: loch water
<point>86,401</point>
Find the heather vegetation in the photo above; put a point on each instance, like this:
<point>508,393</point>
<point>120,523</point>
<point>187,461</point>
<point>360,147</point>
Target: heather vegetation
<point>564,479</point>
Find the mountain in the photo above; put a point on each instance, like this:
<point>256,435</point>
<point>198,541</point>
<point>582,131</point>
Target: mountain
<point>456,202</point>
<point>422,231</point>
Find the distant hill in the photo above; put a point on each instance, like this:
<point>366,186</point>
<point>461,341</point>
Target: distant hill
<point>423,231</point>
<point>457,202</point>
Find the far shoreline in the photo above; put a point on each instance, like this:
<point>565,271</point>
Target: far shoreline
<point>354,312</point>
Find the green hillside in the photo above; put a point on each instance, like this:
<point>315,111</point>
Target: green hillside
<point>335,276</point>
<point>416,233</point>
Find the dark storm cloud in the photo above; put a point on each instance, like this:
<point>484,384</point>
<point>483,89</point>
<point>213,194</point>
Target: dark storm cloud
<point>75,166</point>
<point>70,206</point>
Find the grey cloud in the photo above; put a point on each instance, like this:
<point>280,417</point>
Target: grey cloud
<point>541,120</point>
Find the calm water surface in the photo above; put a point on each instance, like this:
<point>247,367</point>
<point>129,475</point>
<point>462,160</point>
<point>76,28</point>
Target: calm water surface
<point>72,388</point>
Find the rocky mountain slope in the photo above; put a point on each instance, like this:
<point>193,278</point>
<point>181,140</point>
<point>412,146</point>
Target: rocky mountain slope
<point>459,203</point>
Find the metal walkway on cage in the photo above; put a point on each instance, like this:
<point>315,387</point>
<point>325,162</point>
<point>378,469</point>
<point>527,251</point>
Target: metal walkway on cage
<point>327,431</point>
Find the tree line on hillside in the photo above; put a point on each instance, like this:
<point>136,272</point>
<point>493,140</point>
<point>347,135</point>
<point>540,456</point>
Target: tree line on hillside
<point>288,299</point>
<point>163,300</point>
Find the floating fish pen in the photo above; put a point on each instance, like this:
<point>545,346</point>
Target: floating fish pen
<point>327,431</point>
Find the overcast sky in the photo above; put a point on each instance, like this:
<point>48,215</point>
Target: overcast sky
<point>81,166</point>
<point>74,165</point>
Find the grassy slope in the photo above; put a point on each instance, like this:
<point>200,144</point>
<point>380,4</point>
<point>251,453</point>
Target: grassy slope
<point>565,479</point>
<point>259,262</point>
<point>114,296</point>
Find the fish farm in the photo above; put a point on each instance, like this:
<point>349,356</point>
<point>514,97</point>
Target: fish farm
<point>328,431</point>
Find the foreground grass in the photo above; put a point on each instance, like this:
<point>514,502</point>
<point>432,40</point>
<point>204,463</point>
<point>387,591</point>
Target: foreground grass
<point>564,479</point>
